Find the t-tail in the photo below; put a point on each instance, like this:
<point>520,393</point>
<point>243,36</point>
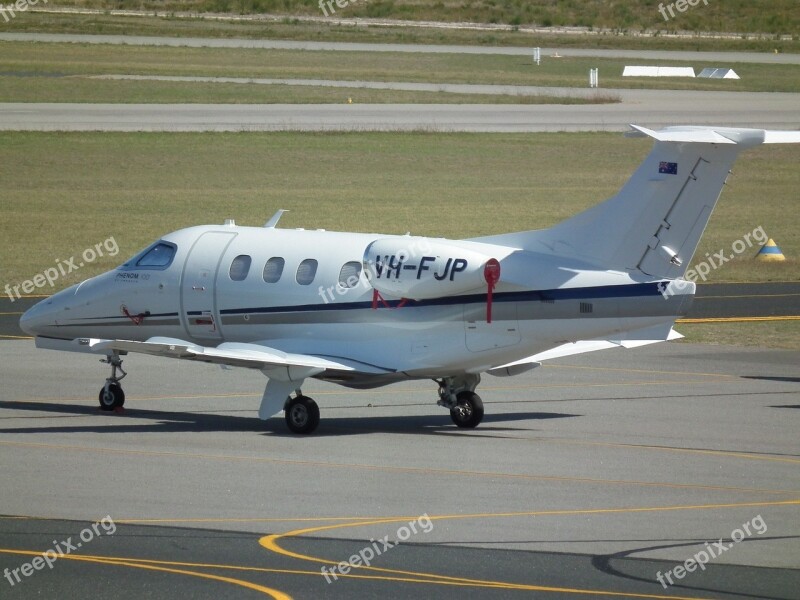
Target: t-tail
<point>654,224</point>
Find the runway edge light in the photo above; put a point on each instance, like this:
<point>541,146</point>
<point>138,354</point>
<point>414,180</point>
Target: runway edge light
<point>770,252</point>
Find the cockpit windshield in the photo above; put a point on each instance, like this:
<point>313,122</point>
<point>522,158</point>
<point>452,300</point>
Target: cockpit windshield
<point>157,256</point>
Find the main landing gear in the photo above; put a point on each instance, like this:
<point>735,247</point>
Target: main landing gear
<point>111,395</point>
<point>458,394</point>
<point>455,393</point>
<point>302,414</point>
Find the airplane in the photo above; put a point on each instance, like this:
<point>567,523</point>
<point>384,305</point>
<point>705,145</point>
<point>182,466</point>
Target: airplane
<point>367,310</point>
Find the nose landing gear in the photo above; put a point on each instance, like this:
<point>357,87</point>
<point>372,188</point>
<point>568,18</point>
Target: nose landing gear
<point>111,395</point>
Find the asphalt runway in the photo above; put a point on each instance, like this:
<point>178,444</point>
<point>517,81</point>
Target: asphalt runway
<point>713,301</point>
<point>775,111</point>
<point>588,477</point>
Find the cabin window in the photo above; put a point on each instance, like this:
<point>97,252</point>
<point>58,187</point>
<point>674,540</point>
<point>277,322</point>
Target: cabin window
<point>273,269</point>
<point>306,271</point>
<point>158,257</point>
<point>350,274</point>
<point>240,267</point>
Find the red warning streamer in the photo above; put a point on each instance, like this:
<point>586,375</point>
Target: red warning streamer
<point>491,273</point>
<point>376,296</point>
<point>137,319</point>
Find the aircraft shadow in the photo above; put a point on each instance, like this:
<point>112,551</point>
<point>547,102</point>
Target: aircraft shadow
<point>767,378</point>
<point>606,564</point>
<point>175,422</point>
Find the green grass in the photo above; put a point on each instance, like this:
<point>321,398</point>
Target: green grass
<point>78,89</point>
<point>773,16</point>
<point>293,29</point>
<point>65,192</point>
<point>47,65</point>
<point>770,334</point>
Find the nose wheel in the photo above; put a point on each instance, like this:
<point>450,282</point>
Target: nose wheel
<point>111,395</point>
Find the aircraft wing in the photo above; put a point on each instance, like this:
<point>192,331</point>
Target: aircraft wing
<point>274,362</point>
<point>634,339</point>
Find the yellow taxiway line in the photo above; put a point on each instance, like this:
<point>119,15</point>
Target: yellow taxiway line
<point>270,542</point>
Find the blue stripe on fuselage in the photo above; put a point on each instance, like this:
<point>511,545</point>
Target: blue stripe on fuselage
<point>605,291</point>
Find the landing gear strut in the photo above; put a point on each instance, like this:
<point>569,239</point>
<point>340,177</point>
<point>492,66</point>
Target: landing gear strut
<point>111,395</point>
<point>458,394</point>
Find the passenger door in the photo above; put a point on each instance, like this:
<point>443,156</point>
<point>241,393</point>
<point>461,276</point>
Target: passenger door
<point>198,290</point>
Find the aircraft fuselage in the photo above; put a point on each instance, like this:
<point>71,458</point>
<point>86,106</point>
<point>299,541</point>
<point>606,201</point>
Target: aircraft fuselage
<point>223,284</point>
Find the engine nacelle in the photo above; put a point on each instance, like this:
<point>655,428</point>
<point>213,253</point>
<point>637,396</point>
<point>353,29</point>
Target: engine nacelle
<point>420,268</point>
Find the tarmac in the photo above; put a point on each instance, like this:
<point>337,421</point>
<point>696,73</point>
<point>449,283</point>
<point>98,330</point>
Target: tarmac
<point>590,476</point>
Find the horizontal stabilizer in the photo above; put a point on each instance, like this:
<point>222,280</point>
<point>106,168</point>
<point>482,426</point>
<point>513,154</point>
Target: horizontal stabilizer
<point>706,136</point>
<point>782,137</point>
<point>717,135</point>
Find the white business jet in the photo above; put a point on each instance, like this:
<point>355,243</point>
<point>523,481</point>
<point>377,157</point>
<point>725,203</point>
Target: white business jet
<point>366,310</point>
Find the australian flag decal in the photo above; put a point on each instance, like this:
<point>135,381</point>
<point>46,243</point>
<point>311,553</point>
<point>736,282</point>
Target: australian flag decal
<point>668,168</point>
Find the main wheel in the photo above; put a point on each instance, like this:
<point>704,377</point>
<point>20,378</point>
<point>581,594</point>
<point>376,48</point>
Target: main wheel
<point>302,414</point>
<point>468,411</point>
<point>111,397</point>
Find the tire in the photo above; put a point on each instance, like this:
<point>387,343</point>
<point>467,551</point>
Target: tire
<point>111,397</point>
<point>302,415</point>
<point>469,412</point>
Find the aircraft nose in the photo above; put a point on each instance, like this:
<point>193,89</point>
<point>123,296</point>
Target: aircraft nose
<point>37,318</point>
<point>44,315</point>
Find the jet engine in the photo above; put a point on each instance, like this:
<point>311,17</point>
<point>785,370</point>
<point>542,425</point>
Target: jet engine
<point>419,268</point>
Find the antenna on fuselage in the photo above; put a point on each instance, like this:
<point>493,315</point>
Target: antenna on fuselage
<point>272,223</point>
